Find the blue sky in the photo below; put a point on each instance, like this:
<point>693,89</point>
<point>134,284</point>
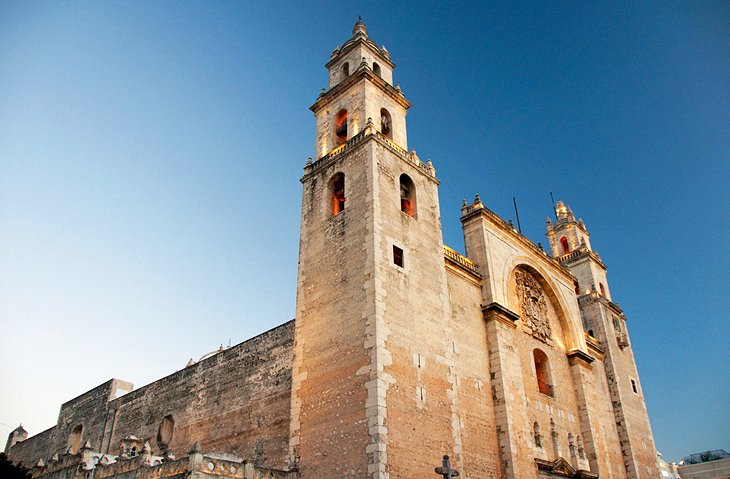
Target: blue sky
<point>150,154</point>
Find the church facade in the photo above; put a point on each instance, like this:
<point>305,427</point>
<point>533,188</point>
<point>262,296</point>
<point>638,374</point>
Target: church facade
<point>512,360</point>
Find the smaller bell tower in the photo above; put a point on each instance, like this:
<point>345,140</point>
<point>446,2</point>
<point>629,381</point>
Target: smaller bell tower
<point>571,244</point>
<point>605,322</point>
<point>342,111</point>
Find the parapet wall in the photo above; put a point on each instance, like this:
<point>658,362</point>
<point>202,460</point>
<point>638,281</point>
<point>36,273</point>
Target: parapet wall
<point>236,401</point>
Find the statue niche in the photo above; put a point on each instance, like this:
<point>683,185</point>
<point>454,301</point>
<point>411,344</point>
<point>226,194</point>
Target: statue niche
<point>533,306</point>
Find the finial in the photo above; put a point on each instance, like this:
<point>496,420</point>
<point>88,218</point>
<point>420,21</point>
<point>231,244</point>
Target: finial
<point>55,458</point>
<point>40,463</point>
<point>477,199</point>
<point>321,93</point>
<point>359,29</point>
<point>463,203</point>
<point>309,161</point>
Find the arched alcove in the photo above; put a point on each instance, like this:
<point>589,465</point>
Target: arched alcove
<point>345,70</point>
<point>341,126</point>
<point>376,68</point>
<point>565,245</point>
<point>407,195</point>
<point>543,375</point>
<point>571,335</point>
<point>74,439</point>
<point>386,123</point>
<point>165,431</point>
<point>336,192</point>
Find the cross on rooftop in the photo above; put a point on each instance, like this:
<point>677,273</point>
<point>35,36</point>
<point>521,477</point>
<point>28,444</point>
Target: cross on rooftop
<point>445,469</point>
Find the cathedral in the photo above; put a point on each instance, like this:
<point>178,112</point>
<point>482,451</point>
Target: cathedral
<point>406,359</point>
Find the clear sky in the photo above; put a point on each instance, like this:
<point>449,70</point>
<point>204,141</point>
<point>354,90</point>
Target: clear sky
<point>150,156</point>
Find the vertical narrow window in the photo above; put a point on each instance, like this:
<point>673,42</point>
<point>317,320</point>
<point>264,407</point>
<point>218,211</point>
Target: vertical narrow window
<point>542,372</point>
<point>74,440</point>
<point>407,195</point>
<point>376,68</point>
<point>397,256</point>
<point>337,191</point>
<point>564,243</point>
<point>633,387</point>
<point>341,126</point>
<point>164,432</point>
<point>603,290</point>
<point>386,123</point>
<point>345,70</point>
<point>577,288</point>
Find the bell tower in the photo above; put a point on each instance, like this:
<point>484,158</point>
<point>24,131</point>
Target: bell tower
<point>605,322</point>
<point>372,300</point>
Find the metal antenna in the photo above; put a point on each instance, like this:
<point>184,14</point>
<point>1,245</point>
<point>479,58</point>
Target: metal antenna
<point>555,212</point>
<point>519,227</point>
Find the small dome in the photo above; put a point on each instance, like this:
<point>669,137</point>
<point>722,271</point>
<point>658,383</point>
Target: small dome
<point>359,29</point>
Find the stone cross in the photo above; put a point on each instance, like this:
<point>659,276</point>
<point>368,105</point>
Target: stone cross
<point>445,469</point>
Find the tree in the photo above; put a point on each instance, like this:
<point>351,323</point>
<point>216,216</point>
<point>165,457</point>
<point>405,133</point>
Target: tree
<point>9,470</point>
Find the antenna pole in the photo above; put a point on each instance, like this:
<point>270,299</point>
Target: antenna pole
<point>519,227</point>
<point>555,212</point>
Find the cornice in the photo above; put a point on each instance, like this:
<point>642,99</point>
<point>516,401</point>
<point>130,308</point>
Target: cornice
<point>362,73</point>
<point>479,210</point>
<point>500,313</point>
<point>354,42</point>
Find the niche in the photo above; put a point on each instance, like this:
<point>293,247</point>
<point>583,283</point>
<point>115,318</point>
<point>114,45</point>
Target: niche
<point>164,432</point>
<point>341,126</point>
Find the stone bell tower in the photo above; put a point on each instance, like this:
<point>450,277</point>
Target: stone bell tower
<point>371,313</point>
<point>605,321</point>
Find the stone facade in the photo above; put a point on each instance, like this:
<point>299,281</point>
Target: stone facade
<point>511,360</point>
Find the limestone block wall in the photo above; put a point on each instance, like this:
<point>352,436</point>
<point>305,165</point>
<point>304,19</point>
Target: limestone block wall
<point>235,401</point>
<point>479,455</point>
<point>604,451</point>
<point>629,408</point>
<point>35,447</point>
<point>335,303</point>
<point>421,396</point>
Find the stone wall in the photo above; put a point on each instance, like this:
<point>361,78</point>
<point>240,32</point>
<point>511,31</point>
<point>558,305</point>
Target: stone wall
<point>235,401</point>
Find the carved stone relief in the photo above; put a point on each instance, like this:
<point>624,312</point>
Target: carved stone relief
<point>533,306</point>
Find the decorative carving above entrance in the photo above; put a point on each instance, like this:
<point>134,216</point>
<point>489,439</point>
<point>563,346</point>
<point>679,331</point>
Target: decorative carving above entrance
<point>533,306</point>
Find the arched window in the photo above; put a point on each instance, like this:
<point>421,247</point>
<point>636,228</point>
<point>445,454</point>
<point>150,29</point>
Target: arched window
<point>341,126</point>
<point>74,440</point>
<point>603,290</point>
<point>376,68</point>
<point>407,195</point>
<point>164,432</point>
<point>542,372</point>
<point>564,243</point>
<point>337,193</point>
<point>345,70</point>
<point>386,123</point>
